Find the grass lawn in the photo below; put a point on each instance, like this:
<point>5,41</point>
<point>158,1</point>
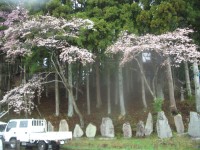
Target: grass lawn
<point>148,143</point>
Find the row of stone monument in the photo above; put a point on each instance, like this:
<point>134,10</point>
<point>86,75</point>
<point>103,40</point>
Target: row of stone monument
<point>162,127</point>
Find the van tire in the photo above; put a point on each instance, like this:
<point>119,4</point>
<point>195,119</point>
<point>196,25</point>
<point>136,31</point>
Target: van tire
<point>13,143</point>
<point>42,145</point>
<point>55,146</point>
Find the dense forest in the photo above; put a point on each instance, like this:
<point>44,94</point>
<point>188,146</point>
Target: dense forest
<point>105,53</point>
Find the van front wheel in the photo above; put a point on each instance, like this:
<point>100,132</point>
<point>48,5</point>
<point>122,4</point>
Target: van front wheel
<point>42,145</point>
<point>13,143</point>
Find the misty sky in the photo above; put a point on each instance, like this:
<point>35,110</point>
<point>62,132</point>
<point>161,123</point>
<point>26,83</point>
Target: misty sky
<point>17,1</point>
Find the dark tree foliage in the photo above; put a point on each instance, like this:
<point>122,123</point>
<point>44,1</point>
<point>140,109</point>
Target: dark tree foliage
<point>100,4</point>
<point>63,1</point>
<point>5,7</point>
<point>59,8</point>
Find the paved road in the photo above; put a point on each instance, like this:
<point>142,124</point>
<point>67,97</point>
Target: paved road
<point>25,148</point>
<point>6,146</point>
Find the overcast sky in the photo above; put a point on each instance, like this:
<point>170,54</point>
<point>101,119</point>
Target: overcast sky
<point>17,1</point>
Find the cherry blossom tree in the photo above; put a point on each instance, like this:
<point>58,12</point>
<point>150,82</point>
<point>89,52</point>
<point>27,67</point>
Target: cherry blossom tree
<point>21,97</point>
<point>50,33</point>
<point>9,15</point>
<point>175,47</point>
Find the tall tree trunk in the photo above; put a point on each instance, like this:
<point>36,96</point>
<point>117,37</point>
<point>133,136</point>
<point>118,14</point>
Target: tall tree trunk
<point>98,90</point>
<point>66,90</point>
<point>78,77</point>
<point>70,102</point>
<point>8,77</point>
<point>76,108</point>
<point>57,96</point>
<point>154,80</point>
<point>77,90</point>
<point>25,94</point>
<point>108,91</point>
<point>159,91</point>
<point>187,78</point>
<point>88,92</point>
<point>143,93</point>
<point>197,86</point>
<point>143,85</point>
<point>24,80</point>
<point>116,89</point>
<point>131,80</point>
<point>59,70</point>
<point>145,80</point>
<point>121,92</point>
<point>170,86</point>
<point>127,80</point>
<point>46,88</point>
<point>26,105</point>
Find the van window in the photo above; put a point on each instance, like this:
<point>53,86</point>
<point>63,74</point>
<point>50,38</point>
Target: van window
<point>23,124</point>
<point>37,123</point>
<point>11,125</point>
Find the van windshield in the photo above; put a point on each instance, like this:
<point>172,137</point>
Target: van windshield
<point>11,125</point>
<point>2,127</point>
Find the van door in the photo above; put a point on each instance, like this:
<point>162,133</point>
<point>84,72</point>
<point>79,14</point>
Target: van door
<point>10,130</point>
<point>23,131</point>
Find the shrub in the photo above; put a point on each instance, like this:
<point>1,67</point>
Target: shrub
<point>157,104</point>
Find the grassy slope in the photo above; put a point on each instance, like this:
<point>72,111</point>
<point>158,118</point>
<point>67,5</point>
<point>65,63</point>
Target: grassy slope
<point>150,143</point>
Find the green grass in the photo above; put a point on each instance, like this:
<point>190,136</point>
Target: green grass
<point>148,143</point>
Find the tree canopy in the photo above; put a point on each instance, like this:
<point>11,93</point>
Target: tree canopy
<point>67,32</point>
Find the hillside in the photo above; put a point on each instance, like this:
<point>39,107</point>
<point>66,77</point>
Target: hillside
<point>134,113</point>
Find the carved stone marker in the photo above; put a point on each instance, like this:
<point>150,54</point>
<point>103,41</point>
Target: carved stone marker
<point>149,125</point>
<point>50,126</point>
<point>179,124</point>
<point>91,130</point>
<point>194,125</point>
<point>162,126</point>
<point>107,128</point>
<point>127,131</point>
<point>63,126</point>
<point>140,129</point>
<point>78,132</point>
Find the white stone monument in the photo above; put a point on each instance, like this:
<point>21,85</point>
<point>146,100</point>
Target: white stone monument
<point>149,125</point>
<point>127,131</point>
<point>78,132</point>
<point>63,126</point>
<point>179,124</point>
<point>107,128</point>
<point>162,126</point>
<point>194,125</point>
<point>91,130</point>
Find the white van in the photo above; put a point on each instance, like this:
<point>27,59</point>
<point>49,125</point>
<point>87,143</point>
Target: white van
<point>33,132</point>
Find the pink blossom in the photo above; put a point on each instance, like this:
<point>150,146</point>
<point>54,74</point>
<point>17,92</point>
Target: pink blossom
<point>21,98</point>
<point>46,29</point>
<point>72,54</point>
<point>176,44</point>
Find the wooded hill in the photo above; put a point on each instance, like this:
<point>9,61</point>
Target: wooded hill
<point>104,52</point>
